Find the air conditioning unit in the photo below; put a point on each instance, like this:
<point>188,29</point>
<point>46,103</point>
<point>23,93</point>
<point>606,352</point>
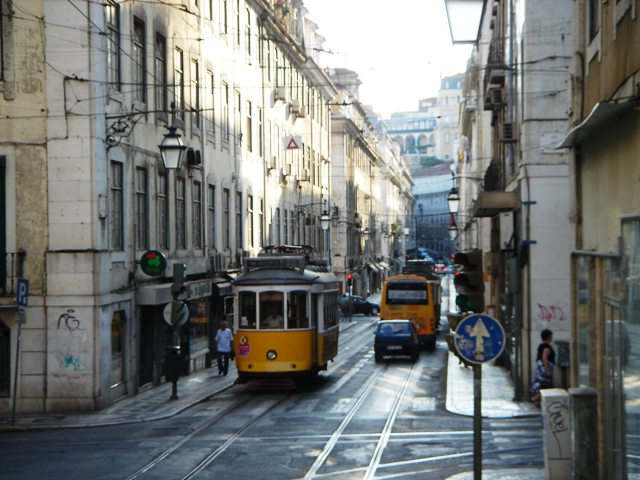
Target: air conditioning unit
<point>297,108</point>
<point>508,132</point>
<point>281,93</point>
<point>287,169</point>
<point>497,76</point>
<point>218,262</point>
<point>273,163</point>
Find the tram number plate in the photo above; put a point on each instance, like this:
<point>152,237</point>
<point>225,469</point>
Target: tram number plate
<point>394,347</point>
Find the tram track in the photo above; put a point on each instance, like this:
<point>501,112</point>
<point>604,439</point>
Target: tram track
<point>355,339</point>
<point>382,437</point>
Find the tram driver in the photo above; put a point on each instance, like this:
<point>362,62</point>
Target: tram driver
<point>274,319</point>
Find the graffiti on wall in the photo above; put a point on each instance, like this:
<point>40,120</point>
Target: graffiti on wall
<point>72,361</point>
<point>551,313</point>
<point>68,320</point>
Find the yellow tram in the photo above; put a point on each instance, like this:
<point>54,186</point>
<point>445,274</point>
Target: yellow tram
<point>286,321</point>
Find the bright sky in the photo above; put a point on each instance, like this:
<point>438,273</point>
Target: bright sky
<point>399,48</point>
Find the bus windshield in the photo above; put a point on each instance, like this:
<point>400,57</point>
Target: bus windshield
<point>407,294</point>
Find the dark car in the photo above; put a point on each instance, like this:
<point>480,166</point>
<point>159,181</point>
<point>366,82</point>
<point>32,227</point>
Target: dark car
<point>440,269</point>
<point>396,338</point>
<point>358,305</point>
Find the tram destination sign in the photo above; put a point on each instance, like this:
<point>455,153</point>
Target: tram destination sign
<point>275,262</point>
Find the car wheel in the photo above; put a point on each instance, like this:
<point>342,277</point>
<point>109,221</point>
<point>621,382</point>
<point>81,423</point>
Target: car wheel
<point>414,357</point>
<point>374,311</point>
<point>378,358</point>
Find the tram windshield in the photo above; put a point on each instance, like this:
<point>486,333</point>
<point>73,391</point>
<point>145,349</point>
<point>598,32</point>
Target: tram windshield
<point>274,310</point>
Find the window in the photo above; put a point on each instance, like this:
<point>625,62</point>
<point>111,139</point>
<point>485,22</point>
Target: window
<point>260,132</point>
<point>237,119</point>
<point>447,138</point>
<point>285,227</point>
<point>142,211</point>
<point>247,31</point>
<point>223,16</point>
<point>249,132</point>
<point>238,219</point>
<point>226,227</point>
<point>197,214</point>
<point>250,220</point>
<point>211,215</point>
<point>209,10</point>
<point>225,111</point>
<point>163,212</point>
<point>116,213</point>
<point>161,73</point>
<point>277,227</point>
<point>198,326</point>
<point>210,91</point>
<point>181,231</point>
<point>260,221</point>
<point>139,61</point>
<point>594,19</point>
<point>195,94</point>
<point>178,79</point>
<point>112,11</point>
<point>236,14</point>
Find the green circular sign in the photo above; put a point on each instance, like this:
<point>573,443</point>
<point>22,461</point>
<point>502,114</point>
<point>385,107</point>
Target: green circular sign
<point>153,263</point>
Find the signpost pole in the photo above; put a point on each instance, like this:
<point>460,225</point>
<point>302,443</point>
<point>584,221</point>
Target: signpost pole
<point>478,339</point>
<point>15,375</point>
<point>477,422</point>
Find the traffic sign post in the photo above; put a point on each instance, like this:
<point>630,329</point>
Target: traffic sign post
<point>478,339</point>
<point>22,300</point>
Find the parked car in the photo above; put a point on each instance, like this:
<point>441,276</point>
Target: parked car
<point>358,305</point>
<point>396,338</point>
<point>440,269</point>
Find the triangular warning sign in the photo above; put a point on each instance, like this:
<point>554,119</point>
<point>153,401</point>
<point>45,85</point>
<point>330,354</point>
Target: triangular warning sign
<point>292,145</point>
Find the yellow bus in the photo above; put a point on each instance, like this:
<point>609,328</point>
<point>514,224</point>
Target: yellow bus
<point>414,297</point>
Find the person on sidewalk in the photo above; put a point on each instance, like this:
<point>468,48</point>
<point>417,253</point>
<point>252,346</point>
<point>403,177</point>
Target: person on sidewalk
<point>545,361</point>
<point>224,343</point>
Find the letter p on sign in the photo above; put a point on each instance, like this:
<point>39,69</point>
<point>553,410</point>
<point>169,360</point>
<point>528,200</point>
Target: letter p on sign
<point>22,296</point>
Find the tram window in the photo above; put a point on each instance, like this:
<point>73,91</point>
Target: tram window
<point>247,309</point>
<point>297,311</point>
<point>271,310</point>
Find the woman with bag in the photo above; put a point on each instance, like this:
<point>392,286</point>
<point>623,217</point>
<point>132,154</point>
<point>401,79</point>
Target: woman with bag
<point>545,361</point>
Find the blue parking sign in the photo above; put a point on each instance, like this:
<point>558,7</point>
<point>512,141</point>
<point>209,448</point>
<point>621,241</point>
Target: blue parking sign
<point>22,295</point>
<point>479,338</point>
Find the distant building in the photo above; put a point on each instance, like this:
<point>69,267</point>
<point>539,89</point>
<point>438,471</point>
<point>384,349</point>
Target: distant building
<point>432,132</point>
<point>432,186</point>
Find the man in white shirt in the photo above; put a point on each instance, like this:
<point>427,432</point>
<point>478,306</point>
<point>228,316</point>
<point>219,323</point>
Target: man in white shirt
<point>224,343</point>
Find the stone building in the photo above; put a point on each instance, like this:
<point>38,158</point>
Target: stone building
<point>88,93</point>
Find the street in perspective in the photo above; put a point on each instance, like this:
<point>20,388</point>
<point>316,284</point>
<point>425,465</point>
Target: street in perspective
<point>359,419</point>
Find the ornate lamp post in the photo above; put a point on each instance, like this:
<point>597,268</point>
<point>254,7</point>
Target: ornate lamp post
<point>172,149</point>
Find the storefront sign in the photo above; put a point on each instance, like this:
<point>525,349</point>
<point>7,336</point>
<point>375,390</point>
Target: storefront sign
<point>199,289</point>
<point>153,263</point>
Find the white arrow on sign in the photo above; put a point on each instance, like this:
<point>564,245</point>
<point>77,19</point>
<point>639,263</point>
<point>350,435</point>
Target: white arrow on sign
<point>479,331</point>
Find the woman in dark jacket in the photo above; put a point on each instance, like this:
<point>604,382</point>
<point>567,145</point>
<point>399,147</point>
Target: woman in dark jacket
<point>545,362</point>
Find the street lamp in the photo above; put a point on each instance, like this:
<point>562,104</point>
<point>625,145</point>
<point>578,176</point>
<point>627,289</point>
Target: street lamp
<point>325,220</point>
<point>172,149</point>
<point>453,232</point>
<point>464,18</point>
<point>453,200</point>
<point>365,234</point>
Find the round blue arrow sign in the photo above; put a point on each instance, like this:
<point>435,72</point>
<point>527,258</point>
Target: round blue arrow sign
<point>479,338</point>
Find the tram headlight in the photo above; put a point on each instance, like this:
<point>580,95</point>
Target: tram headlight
<point>271,354</point>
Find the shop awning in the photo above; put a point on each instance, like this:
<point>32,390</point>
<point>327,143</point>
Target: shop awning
<point>385,265</point>
<point>373,267</point>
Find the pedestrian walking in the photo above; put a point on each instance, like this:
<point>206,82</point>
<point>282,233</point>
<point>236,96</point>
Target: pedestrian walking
<point>545,362</point>
<point>224,345</point>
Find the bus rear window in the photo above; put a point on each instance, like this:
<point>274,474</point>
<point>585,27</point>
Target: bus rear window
<point>407,294</point>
